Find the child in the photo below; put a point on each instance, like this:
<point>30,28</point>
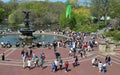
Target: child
<point>100,66</point>
<point>104,68</point>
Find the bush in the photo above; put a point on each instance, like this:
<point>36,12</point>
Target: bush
<point>101,26</point>
<point>86,28</point>
<point>116,37</point>
<point>114,33</point>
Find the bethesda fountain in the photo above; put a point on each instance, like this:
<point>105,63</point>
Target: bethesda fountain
<point>27,32</point>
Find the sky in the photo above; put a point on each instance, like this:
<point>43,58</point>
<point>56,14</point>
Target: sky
<point>42,0</point>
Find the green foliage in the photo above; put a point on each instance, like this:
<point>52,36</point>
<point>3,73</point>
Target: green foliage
<point>42,13</point>
<point>86,28</point>
<point>68,22</point>
<point>101,26</point>
<point>2,14</point>
<point>11,20</point>
<point>114,8</point>
<point>113,33</point>
<point>116,36</point>
<point>79,18</point>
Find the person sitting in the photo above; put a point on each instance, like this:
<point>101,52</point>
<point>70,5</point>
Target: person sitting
<point>3,44</point>
<point>8,45</point>
<point>23,44</point>
<point>94,62</point>
<point>17,44</point>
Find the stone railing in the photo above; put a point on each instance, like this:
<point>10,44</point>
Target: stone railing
<point>108,46</point>
<point>102,47</point>
<point>117,46</point>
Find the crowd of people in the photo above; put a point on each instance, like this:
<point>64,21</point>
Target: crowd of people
<point>77,43</point>
<point>30,58</point>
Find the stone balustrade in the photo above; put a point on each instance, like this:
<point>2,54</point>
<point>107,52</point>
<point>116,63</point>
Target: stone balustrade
<point>108,46</point>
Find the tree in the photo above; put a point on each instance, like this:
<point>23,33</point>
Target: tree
<point>116,23</point>
<point>106,7</point>
<point>2,14</point>
<point>72,2</point>
<point>82,15</point>
<point>114,8</point>
<point>42,13</point>
<point>68,22</point>
<point>96,9</point>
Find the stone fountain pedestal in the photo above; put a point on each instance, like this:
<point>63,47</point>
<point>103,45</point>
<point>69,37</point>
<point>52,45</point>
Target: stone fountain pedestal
<point>26,33</point>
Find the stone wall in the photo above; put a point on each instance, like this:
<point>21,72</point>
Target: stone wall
<point>108,47</point>
<point>102,47</point>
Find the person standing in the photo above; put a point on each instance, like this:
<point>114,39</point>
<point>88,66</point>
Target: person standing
<point>24,60</point>
<point>74,61</point>
<point>33,57</point>
<point>100,65</point>
<point>41,54</point>
<point>60,64</point>
<point>22,52</point>
<point>104,68</point>
<point>56,65</point>
<point>108,60</point>
<point>3,57</point>
<point>26,53</point>
<point>36,61</point>
<point>31,52</point>
<point>66,64</point>
<point>42,59</point>
<point>53,66</point>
